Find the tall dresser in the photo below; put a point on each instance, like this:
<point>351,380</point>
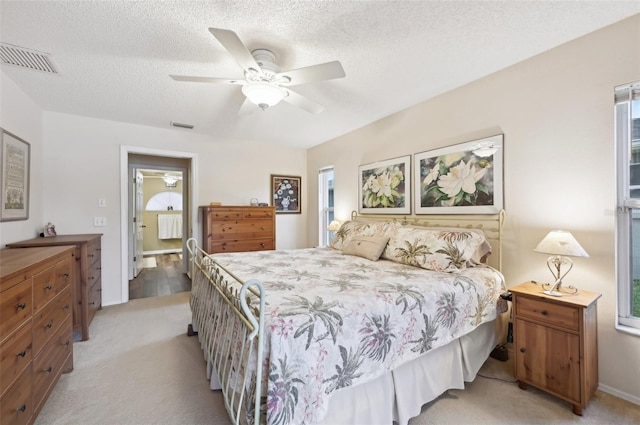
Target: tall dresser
<point>87,287</point>
<point>237,229</point>
<point>36,337</point>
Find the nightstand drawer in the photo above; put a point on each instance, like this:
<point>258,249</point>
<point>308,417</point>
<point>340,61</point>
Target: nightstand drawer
<point>543,311</point>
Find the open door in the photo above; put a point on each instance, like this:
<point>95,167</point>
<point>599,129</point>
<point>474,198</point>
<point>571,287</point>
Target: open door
<point>138,224</point>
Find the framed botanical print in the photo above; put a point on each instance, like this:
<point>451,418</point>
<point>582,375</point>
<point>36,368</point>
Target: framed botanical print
<point>286,194</point>
<point>460,179</point>
<point>15,157</point>
<point>385,187</point>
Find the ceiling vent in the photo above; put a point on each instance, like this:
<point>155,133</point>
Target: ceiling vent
<point>26,58</point>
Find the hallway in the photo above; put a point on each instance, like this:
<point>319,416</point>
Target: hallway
<point>164,279</point>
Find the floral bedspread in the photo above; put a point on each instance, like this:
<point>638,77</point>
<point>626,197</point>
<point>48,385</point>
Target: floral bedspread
<point>336,320</point>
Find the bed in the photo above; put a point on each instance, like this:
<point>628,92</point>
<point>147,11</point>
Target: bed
<point>395,312</point>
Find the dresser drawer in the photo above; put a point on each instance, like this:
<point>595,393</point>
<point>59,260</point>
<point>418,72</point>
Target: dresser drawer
<point>15,356</point>
<point>48,284</point>
<point>251,214</point>
<point>16,406</point>
<point>16,307</point>
<point>242,229</point>
<point>241,246</point>
<point>222,214</point>
<point>47,366</point>
<point>543,311</point>
<point>47,321</point>
<point>95,299</point>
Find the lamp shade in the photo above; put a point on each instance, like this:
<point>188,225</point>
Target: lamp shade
<point>560,242</point>
<point>263,94</point>
<point>334,225</point>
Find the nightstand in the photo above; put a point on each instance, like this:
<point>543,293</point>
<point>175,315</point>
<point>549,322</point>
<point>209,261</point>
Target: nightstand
<point>556,343</point>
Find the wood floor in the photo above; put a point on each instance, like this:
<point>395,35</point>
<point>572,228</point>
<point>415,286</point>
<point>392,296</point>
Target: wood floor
<point>164,279</point>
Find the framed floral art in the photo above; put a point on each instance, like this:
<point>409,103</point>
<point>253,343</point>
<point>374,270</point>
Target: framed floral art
<point>385,187</point>
<point>286,194</point>
<point>460,179</point>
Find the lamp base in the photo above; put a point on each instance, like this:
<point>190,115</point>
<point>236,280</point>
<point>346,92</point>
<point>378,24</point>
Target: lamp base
<point>553,293</point>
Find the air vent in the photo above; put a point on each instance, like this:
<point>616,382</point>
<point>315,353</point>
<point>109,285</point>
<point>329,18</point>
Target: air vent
<point>26,58</point>
<point>181,125</point>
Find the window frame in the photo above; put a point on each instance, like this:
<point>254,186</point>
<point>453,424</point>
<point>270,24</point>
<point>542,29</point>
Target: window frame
<point>324,210</point>
<point>625,97</point>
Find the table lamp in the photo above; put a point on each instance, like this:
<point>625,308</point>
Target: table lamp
<point>561,245</point>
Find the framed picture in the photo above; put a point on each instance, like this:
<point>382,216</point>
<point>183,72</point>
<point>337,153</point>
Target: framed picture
<point>460,179</point>
<point>15,165</point>
<point>385,187</point>
<point>286,194</point>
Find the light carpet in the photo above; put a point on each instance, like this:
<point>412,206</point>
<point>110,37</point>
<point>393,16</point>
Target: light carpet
<point>139,368</point>
<point>149,262</point>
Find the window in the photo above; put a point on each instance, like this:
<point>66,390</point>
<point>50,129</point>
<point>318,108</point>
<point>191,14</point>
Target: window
<point>325,191</point>
<point>627,126</point>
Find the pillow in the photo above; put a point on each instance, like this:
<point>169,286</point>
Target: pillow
<point>437,249</point>
<point>369,247</point>
<point>349,229</point>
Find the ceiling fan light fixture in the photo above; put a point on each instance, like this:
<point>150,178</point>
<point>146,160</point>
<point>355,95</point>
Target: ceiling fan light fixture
<point>263,94</point>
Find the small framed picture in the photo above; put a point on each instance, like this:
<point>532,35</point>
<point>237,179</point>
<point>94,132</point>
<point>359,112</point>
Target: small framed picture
<point>49,230</point>
<point>286,194</point>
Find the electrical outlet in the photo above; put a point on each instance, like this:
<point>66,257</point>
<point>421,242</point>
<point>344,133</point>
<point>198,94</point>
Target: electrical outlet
<point>99,221</point>
<point>102,203</point>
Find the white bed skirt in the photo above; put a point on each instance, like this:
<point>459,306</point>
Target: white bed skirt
<point>399,395</point>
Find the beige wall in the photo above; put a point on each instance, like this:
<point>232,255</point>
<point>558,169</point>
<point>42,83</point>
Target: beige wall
<point>556,113</point>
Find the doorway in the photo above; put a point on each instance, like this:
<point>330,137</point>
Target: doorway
<point>138,164</point>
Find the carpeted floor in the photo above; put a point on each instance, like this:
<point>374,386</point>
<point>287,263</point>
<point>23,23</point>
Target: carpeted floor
<point>139,368</point>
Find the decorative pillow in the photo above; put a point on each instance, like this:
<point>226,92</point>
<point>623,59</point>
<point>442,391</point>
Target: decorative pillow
<point>349,229</point>
<point>369,247</point>
<point>437,249</point>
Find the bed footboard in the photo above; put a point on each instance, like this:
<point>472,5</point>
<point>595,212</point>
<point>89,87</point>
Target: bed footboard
<point>226,317</point>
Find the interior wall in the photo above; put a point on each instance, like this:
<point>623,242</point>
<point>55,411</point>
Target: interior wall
<point>556,113</point>
<point>82,165</point>
<point>150,241</point>
<point>20,116</point>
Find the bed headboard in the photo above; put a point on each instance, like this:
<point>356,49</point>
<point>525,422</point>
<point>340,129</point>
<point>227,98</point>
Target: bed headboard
<point>491,224</point>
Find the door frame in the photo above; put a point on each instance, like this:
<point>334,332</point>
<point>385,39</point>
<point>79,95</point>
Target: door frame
<point>126,219</point>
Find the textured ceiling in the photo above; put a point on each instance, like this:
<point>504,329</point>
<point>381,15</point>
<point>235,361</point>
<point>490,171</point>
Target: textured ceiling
<point>114,57</point>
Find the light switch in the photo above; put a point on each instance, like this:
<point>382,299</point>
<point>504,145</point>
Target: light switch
<point>99,221</point>
<point>102,203</point>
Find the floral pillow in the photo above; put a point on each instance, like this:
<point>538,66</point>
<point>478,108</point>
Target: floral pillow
<point>349,229</point>
<point>441,250</point>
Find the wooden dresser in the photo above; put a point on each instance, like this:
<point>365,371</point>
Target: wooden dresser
<point>87,288</point>
<point>556,343</point>
<point>237,229</point>
<point>36,336</point>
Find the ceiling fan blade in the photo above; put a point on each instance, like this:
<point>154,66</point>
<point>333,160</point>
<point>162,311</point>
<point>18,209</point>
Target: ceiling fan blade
<point>207,80</point>
<point>302,102</point>
<point>311,74</point>
<point>236,47</point>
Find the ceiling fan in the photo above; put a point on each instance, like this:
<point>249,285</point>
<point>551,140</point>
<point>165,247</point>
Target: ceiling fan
<point>264,84</point>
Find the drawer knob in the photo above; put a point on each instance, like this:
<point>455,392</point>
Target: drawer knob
<point>90,255</point>
<point>48,325</point>
<point>66,275</point>
<point>48,370</point>
<point>262,244</point>
<point>91,277</point>
<point>65,307</point>
<point>21,408</point>
<point>522,350</point>
<point>544,312</point>
<point>66,343</point>
<point>262,228</point>
<point>22,353</point>
<point>48,287</point>
<point>21,306</point>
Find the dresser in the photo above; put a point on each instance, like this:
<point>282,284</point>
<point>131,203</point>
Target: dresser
<point>87,285</point>
<point>556,343</point>
<point>237,229</point>
<point>36,336</point>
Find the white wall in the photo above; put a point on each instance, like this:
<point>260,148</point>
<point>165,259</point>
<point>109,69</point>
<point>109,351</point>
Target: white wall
<point>556,113</point>
<point>20,116</point>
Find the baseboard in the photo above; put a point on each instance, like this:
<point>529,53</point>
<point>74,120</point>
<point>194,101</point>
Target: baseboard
<point>163,251</point>
<point>620,394</point>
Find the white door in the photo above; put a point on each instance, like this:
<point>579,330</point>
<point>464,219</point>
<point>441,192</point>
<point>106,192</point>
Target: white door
<point>138,225</point>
